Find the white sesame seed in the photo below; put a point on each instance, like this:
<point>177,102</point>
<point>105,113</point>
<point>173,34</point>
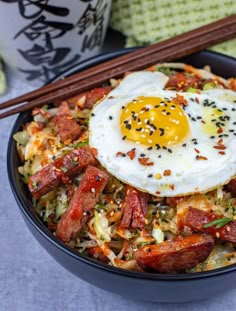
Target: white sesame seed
<point>93,190</point>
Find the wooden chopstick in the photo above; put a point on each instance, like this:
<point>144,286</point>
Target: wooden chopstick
<point>179,46</point>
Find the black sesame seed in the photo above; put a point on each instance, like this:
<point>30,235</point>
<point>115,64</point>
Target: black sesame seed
<point>142,155</point>
<point>164,147</point>
<point>162,131</point>
<point>231,131</point>
<point>153,126</point>
<point>157,106</point>
<point>159,156</point>
<point>169,150</point>
<point>139,129</point>
<point>184,145</point>
<point>92,114</point>
<point>124,137</point>
<point>149,148</point>
<point>150,176</point>
<point>110,117</point>
<point>212,137</point>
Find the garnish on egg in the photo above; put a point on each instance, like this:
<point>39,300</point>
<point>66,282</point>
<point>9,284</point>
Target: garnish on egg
<point>154,120</point>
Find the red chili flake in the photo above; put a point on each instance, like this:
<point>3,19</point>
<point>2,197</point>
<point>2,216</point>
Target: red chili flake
<point>144,161</point>
<point>120,154</point>
<point>110,97</point>
<point>158,192</point>
<point>94,151</point>
<point>221,152</point>
<point>131,154</point>
<point>172,186</point>
<point>220,130</point>
<point>232,84</point>
<point>201,158</point>
<point>167,172</point>
<point>203,122</point>
<point>220,141</point>
<point>197,100</point>
<point>180,100</point>
<point>196,150</point>
<point>220,147</point>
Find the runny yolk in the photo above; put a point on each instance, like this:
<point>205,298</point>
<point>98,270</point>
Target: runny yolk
<point>154,121</point>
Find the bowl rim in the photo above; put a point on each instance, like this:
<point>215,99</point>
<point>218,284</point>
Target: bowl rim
<point>41,228</point>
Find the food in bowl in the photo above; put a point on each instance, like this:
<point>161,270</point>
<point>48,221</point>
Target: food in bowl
<point>140,173</point>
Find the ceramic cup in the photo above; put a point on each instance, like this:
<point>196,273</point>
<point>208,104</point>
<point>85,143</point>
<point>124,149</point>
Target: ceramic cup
<point>40,39</point>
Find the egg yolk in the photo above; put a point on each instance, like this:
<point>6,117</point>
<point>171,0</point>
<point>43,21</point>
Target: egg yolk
<point>154,121</point>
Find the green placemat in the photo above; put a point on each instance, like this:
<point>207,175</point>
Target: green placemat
<point>149,21</point>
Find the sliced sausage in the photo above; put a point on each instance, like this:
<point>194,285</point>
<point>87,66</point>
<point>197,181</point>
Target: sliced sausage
<point>181,82</point>
<point>135,208</point>
<point>83,201</point>
<point>60,171</point>
<point>196,219</point>
<point>175,255</point>
<point>66,125</point>
<point>231,187</point>
<point>89,98</point>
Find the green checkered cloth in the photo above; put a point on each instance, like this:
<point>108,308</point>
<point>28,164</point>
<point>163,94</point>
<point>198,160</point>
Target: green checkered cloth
<point>150,21</point>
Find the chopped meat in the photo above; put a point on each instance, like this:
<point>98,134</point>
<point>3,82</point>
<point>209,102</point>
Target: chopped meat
<point>82,203</point>
<point>86,100</point>
<point>60,171</point>
<point>197,219</point>
<point>135,208</point>
<point>175,255</point>
<point>231,187</point>
<point>67,126</point>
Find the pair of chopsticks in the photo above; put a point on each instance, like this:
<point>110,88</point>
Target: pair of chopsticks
<point>170,49</point>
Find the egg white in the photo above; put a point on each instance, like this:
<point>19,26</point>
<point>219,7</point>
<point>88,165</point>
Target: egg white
<point>189,174</point>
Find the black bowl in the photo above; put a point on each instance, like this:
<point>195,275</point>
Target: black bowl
<point>133,285</point>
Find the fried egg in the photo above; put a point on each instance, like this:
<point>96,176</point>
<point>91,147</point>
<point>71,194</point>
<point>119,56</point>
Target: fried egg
<point>164,142</point>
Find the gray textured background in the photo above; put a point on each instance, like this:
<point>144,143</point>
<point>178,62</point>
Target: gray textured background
<point>31,280</point>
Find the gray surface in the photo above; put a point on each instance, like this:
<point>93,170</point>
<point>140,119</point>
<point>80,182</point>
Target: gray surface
<point>32,280</point>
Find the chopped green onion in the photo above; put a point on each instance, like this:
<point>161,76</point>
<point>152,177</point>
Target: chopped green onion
<point>192,90</point>
<point>99,207</point>
<point>35,184</point>
<point>218,223</point>
<point>81,144</point>
<point>64,169</point>
<point>209,86</point>
<point>166,70</point>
